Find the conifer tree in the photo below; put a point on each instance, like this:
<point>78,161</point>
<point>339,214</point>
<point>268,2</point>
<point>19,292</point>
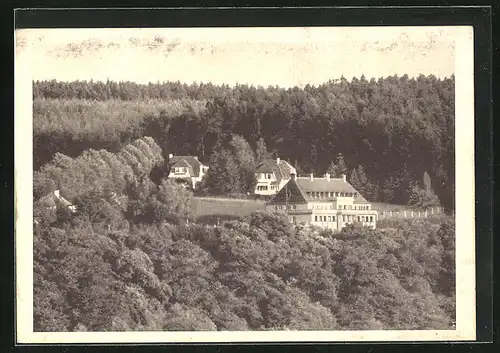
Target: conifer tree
<point>261,151</point>
<point>354,181</point>
<point>223,176</point>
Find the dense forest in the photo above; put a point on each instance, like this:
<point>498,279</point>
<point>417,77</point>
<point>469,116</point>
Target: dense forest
<point>398,130</point>
<point>131,258</point>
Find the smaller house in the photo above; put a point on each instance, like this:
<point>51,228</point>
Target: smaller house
<point>271,176</point>
<point>54,200</point>
<point>186,169</point>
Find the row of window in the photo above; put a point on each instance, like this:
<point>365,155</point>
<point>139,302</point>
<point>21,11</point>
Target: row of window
<point>340,207</point>
<point>179,170</point>
<point>329,194</point>
<point>345,218</point>
<point>265,187</point>
<point>353,207</point>
<point>267,176</point>
<point>285,207</point>
<point>324,219</point>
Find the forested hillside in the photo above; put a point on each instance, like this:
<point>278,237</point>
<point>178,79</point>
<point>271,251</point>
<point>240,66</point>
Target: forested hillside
<point>394,128</point>
<point>130,259</point>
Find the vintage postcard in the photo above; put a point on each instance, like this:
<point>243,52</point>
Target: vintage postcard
<point>305,184</point>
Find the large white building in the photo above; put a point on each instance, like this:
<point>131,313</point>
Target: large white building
<point>326,202</point>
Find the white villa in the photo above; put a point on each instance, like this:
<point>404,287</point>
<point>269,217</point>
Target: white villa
<point>186,169</point>
<point>271,176</point>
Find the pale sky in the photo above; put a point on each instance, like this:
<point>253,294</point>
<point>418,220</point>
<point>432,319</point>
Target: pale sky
<point>259,56</point>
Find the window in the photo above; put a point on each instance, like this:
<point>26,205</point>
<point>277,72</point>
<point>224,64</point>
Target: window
<point>333,218</point>
<point>343,218</point>
<point>315,218</point>
<point>329,218</point>
<point>345,207</point>
<point>371,218</point>
<point>350,207</point>
<point>359,219</point>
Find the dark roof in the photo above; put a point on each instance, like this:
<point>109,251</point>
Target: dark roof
<point>285,168</point>
<point>281,171</point>
<point>296,191</point>
<point>190,162</point>
<point>289,193</point>
<point>322,184</point>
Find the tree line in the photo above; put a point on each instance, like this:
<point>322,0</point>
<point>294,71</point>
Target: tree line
<point>125,90</point>
<point>397,129</point>
<point>130,259</point>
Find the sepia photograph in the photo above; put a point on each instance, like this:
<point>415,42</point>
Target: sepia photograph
<point>230,184</point>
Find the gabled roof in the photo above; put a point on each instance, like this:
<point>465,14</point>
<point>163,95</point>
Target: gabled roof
<point>291,192</point>
<point>324,185</point>
<point>267,166</point>
<point>190,162</point>
<point>281,170</point>
<point>285,168</point>
<point>296,191</point>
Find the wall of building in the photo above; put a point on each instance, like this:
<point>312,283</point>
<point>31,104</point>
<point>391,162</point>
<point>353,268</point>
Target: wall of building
<point>325,215</point>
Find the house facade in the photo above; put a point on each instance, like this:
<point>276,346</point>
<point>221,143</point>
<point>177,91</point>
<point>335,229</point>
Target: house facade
<point>326,202</point>
<point>271,176</point>
<point>186,169</point>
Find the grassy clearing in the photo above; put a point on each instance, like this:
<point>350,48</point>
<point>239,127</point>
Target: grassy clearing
<point>207,210</point>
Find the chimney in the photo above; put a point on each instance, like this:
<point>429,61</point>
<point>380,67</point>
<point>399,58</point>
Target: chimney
<point>278,160</point>
<point>57,193</point>
<point>170,156</point>
<point>343,177</point>
<point>312,176</point>
<point>327,176</point>
<point>293,176</point>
